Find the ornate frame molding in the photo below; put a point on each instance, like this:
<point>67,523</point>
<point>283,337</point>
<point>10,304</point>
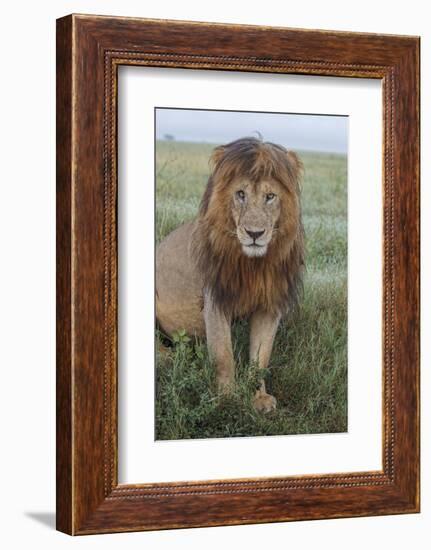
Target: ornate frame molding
<point>90,49</point>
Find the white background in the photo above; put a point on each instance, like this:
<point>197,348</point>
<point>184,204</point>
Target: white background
<point>27,311</point>
<point>141,458</point>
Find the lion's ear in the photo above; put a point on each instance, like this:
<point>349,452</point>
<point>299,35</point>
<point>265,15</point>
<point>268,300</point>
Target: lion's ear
<point>216,156</point>
<point>295,164</point>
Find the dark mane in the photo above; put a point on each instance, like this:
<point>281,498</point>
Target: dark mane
<point>239,284</point>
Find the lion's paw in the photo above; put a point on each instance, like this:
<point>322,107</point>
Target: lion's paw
<point>263,402</point>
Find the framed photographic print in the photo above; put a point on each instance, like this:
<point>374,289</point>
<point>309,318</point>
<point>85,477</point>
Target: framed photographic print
<point>237,274</point>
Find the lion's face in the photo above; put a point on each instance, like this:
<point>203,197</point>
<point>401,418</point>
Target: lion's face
<point>256,210</point>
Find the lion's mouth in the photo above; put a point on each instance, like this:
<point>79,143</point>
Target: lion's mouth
<point>254,249</point>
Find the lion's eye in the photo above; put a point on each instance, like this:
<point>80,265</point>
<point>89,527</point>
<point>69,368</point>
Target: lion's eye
<point>241,195</point>
<point>270,197</point>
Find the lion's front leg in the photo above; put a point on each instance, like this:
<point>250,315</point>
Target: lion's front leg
<point>219,340</point>
<point>263,327</point>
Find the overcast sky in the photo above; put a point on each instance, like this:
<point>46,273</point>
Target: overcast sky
<point>326,133</point>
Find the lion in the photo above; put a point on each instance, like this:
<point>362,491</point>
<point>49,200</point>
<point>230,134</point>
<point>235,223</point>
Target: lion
<point>242,257</point>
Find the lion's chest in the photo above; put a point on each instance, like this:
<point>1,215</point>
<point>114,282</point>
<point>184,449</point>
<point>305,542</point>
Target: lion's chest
<point>252,285</point>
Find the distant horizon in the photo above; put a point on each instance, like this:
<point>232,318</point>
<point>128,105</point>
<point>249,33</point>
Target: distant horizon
<point>216,143</point>
<point>304,132</point>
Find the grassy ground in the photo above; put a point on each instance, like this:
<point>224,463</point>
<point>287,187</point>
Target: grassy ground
<point>308,369</point>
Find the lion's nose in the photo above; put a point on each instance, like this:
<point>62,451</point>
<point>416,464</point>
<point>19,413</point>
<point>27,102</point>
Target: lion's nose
<point>255,234</point>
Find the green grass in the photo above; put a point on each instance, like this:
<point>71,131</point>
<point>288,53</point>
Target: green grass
<point>308,369</point>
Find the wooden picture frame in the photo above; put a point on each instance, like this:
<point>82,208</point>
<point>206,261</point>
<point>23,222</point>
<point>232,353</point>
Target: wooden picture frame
<point>89,51</point>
